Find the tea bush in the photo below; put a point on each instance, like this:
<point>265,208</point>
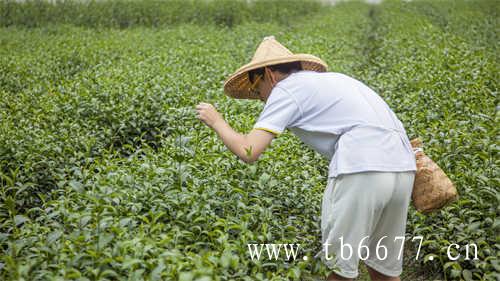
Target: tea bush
<point>107,174</point>
<point>152,13</point>
<point>443,87</point>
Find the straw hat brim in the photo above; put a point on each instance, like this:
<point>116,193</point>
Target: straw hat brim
<point>237,85</point>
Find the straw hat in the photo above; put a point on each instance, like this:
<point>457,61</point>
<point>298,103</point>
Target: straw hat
<point>269,52</point>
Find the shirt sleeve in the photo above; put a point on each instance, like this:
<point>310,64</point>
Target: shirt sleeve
<point>280,111</point>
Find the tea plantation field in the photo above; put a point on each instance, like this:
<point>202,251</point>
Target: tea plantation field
<point>107,174</point>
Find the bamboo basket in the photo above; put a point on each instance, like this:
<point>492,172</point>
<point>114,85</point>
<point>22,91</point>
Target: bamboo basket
<point>432,189</point>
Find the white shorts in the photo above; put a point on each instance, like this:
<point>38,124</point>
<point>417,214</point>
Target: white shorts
<point>365,212</point>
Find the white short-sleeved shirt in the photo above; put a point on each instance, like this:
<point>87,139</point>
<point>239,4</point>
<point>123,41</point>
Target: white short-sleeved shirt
<point>342,119</point>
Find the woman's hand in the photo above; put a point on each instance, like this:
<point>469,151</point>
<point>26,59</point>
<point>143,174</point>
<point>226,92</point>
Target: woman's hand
<point>208,114</point>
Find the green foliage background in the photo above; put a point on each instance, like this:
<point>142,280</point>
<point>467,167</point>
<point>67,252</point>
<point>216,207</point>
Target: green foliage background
<point>107,174</point>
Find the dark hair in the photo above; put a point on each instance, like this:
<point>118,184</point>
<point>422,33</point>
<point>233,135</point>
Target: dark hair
<point>284,68</point>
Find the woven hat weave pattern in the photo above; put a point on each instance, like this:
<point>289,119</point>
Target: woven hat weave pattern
<point>269,52</point>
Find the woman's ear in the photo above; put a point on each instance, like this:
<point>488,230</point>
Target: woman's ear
<point>271,76</point>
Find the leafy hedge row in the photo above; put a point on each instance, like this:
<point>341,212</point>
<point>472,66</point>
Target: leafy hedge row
<point>135,187</point>
<point>152,13</point>
<point>444,88</point>
<point>61,108</point>
<point>477,22</point>
<point>167,212</point>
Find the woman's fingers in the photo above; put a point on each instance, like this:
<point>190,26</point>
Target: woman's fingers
<point>207,113</point>
<point>204,105</point>
<point>203,110</point>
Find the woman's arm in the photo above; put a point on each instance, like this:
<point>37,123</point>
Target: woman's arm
<point>247,147</point>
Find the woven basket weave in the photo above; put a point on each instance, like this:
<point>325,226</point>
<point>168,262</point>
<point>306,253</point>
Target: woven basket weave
<point>432,189</point>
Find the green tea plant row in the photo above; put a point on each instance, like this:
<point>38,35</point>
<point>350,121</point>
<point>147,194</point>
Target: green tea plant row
<point>152,13</point>
<point>161,210</point>
<point>444,89</point>
<point>476,23</point>
<point>59,111</point>
<point>107,174</point>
